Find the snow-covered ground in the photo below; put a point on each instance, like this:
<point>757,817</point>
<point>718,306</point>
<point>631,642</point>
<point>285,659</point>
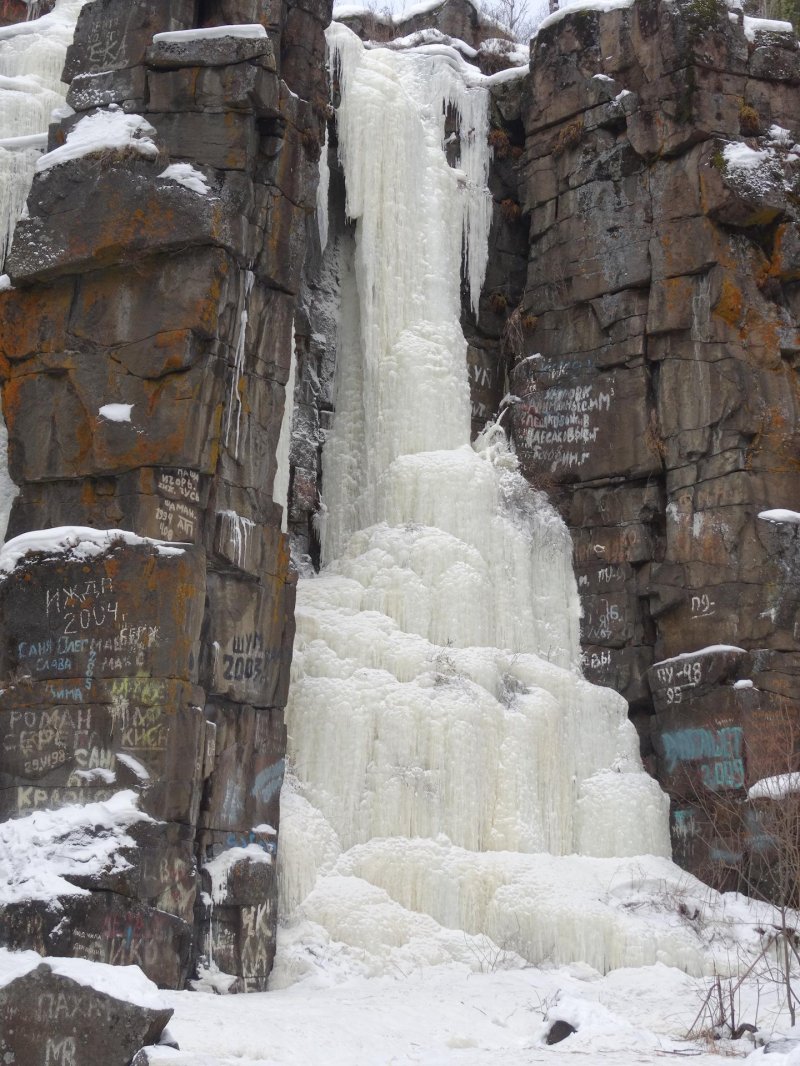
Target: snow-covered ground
<point>448,1016</point>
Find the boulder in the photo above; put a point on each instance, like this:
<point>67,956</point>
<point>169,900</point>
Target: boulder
<point>74,1012</point>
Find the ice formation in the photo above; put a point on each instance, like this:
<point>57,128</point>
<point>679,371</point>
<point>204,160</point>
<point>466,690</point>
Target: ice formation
<point>280,489</point>
<point>236,530</point>
<point>238,382</point>
<point>454,775</point>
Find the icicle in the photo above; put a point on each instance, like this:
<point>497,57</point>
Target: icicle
<point>235,396</point>
<point>8,490</point>
<point>323,189</point>
<point>280,491</point>
<point>17,161</point>
<point>237,530</point>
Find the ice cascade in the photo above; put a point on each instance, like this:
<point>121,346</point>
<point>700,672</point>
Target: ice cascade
<point>453,774</point>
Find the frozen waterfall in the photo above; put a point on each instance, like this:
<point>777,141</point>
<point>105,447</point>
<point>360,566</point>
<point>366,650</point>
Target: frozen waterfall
<point>453,774</point>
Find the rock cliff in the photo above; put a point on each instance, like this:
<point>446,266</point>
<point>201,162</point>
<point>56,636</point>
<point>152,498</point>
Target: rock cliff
<point>655,386</point>
<point>146,345</point>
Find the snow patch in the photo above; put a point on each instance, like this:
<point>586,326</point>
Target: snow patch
<point>765,169</point>
<point>740,156</point>
<point>711,649</point>
<point>779,514</point>
<point>188,176</point>
<point>39,852</point>
<point>754,26</point>
<point>248,30</point>
<point>219,869</point>
<point>579,6</point>
<point>116,412</point>
<point>110,130</point>
<point>14,964</point>
<point>343,11</point>
<point>81,542</point>
<point>502,76</point>
<point>432,36</point>
<point>775,788</point>
<point>126,983</point>
<point>212,980</point>
<point>138,769</point>
<point>99,775</point>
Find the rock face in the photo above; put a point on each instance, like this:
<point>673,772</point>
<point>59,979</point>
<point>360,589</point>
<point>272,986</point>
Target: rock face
<point>12,11</point>
<point>145,351</point>
<point>655,372</point>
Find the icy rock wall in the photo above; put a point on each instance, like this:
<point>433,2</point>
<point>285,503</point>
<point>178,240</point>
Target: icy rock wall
<point>446,750</point>
<point>145,347</point>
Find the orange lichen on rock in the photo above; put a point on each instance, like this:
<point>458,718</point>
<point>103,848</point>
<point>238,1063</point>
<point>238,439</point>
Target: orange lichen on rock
<point>730,305</point>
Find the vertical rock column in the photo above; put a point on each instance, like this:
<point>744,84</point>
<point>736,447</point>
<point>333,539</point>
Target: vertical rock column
<point>145,349</point>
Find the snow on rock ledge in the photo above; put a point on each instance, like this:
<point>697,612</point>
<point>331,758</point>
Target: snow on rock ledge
<point>775,788</point>
<point>779,514</point>
<point>212,47</point>
<point>80,542</point>
<point>213,33</point>
<point>39,853</point>
<point>105,131</point>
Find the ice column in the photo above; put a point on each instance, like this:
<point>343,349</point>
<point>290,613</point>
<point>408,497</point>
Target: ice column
<point>440,730</point>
